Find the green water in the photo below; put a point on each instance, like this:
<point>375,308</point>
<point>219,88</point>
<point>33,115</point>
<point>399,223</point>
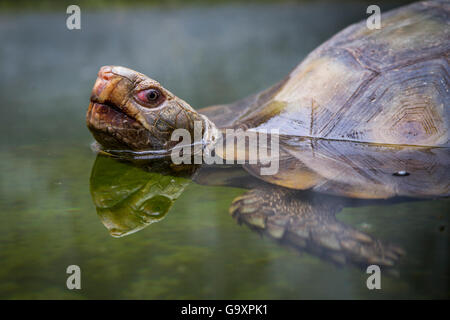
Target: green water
<point>205,55</point>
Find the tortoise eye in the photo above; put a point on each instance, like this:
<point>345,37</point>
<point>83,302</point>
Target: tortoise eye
<point>150,96</point>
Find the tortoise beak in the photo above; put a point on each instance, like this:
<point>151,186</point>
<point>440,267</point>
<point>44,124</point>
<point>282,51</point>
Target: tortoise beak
<point>106,81</point>
<point>111,124</point>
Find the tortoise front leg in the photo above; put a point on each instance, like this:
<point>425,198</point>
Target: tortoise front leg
<point>308,223</point>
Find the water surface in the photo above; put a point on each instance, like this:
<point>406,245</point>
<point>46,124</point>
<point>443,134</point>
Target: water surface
<point>205,55</point>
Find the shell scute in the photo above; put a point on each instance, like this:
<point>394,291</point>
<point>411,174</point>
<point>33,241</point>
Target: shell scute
<point>388,86</point>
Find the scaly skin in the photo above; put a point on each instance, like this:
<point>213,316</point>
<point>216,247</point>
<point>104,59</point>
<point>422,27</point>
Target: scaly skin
<point>120,120</point>
<point>309,224</point>
<point>358,107</point>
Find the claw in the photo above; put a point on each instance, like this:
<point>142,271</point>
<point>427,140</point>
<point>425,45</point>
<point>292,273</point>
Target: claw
<point>380,261</point>
<point>391,254</point>
<point>398,250</point>
<point>362,237</point>
<point>234,208</point>
<point>275,231</point>
<point>249,200</point>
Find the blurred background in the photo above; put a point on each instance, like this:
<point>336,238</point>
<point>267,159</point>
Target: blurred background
<point>205,52</point>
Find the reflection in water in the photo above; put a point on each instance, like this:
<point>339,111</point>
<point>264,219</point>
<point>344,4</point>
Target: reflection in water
<point>130,196</point>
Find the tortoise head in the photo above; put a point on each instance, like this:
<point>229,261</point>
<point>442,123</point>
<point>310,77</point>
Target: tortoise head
<point>129,111</point>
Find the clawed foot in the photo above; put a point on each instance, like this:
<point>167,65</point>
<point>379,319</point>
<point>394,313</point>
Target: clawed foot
<point>309,224</point>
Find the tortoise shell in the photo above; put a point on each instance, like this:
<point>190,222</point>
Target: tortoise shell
<point>388,86</point>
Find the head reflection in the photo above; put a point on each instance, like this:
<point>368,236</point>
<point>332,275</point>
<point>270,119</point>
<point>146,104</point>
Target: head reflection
<point>130,197</point>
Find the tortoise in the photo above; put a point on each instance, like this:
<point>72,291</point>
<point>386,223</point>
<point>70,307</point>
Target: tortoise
<point>363,116</point>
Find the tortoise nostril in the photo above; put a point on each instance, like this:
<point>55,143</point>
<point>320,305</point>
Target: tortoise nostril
<point>105,73</point>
